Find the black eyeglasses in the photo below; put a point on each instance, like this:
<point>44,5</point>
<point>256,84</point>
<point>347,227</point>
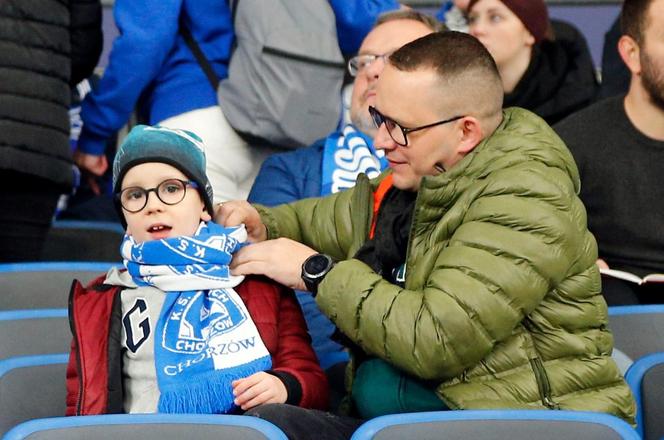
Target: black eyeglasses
<point>170,192</point>
<point>396,131</point>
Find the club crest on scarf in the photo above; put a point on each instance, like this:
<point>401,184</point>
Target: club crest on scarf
<point>197,318</point>
<point>207,337</point>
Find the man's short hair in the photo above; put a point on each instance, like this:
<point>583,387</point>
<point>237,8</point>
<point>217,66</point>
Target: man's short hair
<point>634,18</point>
<point>460,60</point>
<point>411,14</point>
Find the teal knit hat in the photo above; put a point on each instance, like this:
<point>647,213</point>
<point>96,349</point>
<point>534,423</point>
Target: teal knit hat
<point>179,148</point>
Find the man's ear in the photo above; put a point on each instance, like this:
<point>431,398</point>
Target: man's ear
<point>470,136</point>
<point>630,53</point>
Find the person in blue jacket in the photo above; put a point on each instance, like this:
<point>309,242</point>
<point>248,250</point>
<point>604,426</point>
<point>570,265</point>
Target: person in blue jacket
<point>151,68</point>
<point>333,163</point>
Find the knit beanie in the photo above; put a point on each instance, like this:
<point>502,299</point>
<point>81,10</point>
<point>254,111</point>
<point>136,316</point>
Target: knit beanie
<point>533,14</point>
<point>179,148</point>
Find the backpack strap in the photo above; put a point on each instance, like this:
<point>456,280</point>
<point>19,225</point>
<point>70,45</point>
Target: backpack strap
<point>198,53</point>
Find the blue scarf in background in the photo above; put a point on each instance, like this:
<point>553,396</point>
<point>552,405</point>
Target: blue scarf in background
<point>347,154</point>
<point>205,337</point>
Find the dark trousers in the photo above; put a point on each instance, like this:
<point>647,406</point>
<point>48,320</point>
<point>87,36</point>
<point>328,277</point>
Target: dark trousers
<point>27,205</point>
<point>304,424</point>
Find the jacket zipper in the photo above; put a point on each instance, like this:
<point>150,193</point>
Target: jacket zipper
<point>303,58</point>
<point>72,325</point>
<point>543,384</point>
<point>541,377</point>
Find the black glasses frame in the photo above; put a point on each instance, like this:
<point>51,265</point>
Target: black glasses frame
<point>146,192</point>
<point>380,119</point>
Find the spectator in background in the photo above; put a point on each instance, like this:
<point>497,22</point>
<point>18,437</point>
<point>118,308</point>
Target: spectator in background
<point>151,67</point>
<point>45,49</point>
<point>553,77</point>
<point>615,75</point>
<point>618,145</point>
<point>333,164</point>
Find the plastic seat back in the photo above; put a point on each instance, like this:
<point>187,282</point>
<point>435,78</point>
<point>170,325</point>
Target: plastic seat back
<point>28,332</point>
<point>646,378</point>
<point>494,424</point>
<point>148,427</point>
<point>43,285</point>
<point>31,387</point>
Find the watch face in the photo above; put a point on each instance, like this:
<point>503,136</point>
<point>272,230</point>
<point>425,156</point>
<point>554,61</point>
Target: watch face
<point>317,265</point>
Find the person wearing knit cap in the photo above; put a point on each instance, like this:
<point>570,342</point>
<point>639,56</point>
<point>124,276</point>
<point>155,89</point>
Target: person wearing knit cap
<point>176,332</point>
<point>551,75</point>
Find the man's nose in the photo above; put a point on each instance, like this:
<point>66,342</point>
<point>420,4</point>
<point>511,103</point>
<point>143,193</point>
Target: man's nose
<point>374,69</point>
<point>382,139</point>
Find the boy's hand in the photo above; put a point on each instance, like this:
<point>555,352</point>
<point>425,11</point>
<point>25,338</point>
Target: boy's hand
<point>236,212</point>
<point>257,389</point>
<point>280,259</point>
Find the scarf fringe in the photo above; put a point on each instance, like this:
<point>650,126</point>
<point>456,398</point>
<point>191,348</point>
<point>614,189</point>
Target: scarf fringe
<point>209,393</point>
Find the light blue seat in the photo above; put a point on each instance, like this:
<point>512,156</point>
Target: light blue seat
<point>39,331</point>
<point>646,379</point>
<point>637,331</point>
<point>497,424</point>
<point>147,427</point>
<point>32,387</point>
<point>43,285</point>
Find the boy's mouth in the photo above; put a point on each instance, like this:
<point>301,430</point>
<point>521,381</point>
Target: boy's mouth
<point>159,231</point>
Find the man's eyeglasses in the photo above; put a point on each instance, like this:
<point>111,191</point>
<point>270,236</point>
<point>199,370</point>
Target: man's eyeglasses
<point>170,192</point>
<point>396,131</point>
<point>360,62</point>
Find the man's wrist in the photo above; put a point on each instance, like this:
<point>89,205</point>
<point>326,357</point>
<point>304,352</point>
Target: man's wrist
<point>314,270</point>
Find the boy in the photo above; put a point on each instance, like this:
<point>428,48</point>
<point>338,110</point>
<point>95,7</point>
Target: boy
<point>176,332</point>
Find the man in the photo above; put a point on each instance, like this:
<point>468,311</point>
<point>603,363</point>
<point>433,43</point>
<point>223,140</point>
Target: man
<point>618,145</point>
<point>473,270</point>
<point>333,164</point>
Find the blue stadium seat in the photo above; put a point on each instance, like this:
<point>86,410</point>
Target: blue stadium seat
<point>147,427</point>
<point>43,285</point>
<point>497,424</point>
<point>31,387</point>
<point>646,378</point>
<point>39,331</point>
<point>637,331</point>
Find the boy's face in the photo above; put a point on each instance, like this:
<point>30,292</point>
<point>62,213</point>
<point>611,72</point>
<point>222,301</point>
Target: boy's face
<point>158,220</point>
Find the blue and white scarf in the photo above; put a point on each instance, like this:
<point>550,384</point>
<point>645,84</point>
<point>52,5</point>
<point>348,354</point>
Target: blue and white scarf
<point>205,337</point>
<point>347,154</point>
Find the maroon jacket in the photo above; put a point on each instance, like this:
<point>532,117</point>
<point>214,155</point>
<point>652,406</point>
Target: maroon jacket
<point>94,373</point>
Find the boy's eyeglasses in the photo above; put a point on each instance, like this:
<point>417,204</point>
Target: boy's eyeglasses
<point>170,192</point>
<point>396,131</point>
<point>360,62</point>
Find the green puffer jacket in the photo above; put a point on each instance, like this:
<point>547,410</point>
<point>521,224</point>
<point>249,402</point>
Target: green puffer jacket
<point>502,302</point>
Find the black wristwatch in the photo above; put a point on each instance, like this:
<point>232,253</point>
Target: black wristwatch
<point>314,270</point>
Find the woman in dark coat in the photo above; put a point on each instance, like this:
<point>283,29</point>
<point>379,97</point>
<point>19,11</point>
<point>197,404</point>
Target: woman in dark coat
<point>545,67</point>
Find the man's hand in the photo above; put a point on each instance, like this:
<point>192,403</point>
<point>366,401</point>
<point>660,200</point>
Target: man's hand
<point>601,264</point>
<point>258,389</point>
<point>279,259</point>
<point>236,212</point>
<point>96,165</point>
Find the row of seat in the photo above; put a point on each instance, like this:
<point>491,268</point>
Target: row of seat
<point>40,328</point>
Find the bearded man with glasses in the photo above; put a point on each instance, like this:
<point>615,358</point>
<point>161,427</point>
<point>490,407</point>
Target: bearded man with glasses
<point>463,277</point>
